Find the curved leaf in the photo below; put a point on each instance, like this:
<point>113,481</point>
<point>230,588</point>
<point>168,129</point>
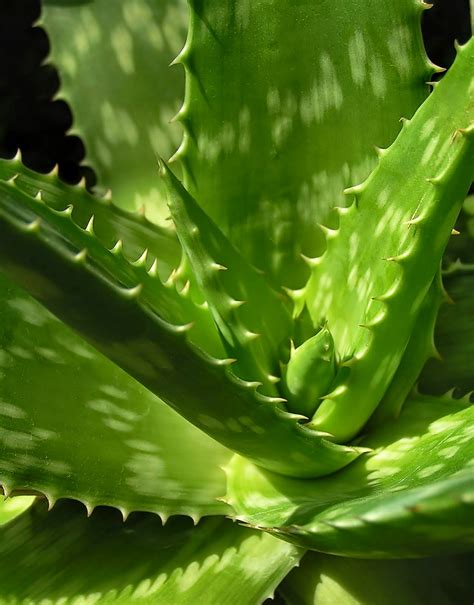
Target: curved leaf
<point>412,496</point>
<point>110,222</point>
<point>62,557</point>
<point>57,262</point>
<point>252,317</point>
<point>454,337</point>
<point>72,424</point>
<point>326,580</point>
<point>114,69</point>
<point>370,290</point>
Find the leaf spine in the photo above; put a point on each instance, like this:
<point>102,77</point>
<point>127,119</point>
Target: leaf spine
<point>34,226</point>
<point>217,267</point>
<point>354,190</point>
<point>51,500</point>
<point>89,508</point>
<point>81,256</point>
<point>311,262</point>
<point>82,183</point>
<point>133,292</point>
<point>329,233</point>
<point>54,172</point>
<point>248,335</point>
<point>185,290</point>
<point>90,226</point>
<point>67,211</point>
<point>141,260</point>
<point>117,248</point>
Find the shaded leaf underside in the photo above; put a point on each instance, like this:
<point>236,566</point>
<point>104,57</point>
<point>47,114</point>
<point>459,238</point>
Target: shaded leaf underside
<point>64,557</point>
<point>327,580</point>
<point>454,337</point>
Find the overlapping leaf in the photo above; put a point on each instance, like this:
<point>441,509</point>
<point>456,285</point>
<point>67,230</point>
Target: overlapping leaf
<point>369,289</point>
<point>454,337</point>
<point>62,557</point>
<point>117,62</point>
<point>12,507</point>
<point>153,333</point>
<point>327,580</point>
<point>74,425</point>
<point>412,496</point>
<point>280,116</point>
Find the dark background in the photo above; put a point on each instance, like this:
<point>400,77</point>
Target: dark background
<point>32,121</point>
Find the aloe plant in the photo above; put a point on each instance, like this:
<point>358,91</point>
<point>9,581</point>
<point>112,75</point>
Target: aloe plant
<point>220,366</point>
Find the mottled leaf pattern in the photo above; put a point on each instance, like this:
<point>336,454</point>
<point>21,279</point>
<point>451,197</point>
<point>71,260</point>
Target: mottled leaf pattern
<point>62,557</point>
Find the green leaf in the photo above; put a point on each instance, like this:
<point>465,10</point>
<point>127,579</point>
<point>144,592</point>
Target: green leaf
<point>252,318</point>
<point>454,337</point>
<point>268,94</point>
<point>114,69</point>
<point>461,247</point>
<point>110,222</point>
<point>412,496</point>
<point>72,424</point>
<point>64,557</point>
<point>326,580</point>
<point>159,344</point>
<point>370,289</point>
<point>12,507</point>
<point>420,348</point>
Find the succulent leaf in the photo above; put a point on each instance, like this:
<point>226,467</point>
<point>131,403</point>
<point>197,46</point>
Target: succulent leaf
<point>110,222</point>
<point>412,496</point>
<point>454,337</point>
<point>310,372</point>
<point>12,507</point>
<point>252,318</point>
<point>421,347</point>
<point>94,433</point>
<point>369,290</point>
<point>267,94</point>
<point>56,261</point>
<point>64,557</point>
<point>326,580</point>
<point>120,60</point>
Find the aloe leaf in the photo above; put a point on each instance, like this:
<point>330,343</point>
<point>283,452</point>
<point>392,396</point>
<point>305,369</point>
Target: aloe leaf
<point>258,151</point>
<point>94,434</point>
<point>326,580</point>
<point>454,337</point>
<point>461,247</point>
<point>235,291</point>
<point>412,496</point>
<point>12,507</point>
<point>118,63</point>
<point>64,557</point>
<point>421,348</point>
<point>369,290</point>
<point>110,222</point>
<point>154,334</point>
